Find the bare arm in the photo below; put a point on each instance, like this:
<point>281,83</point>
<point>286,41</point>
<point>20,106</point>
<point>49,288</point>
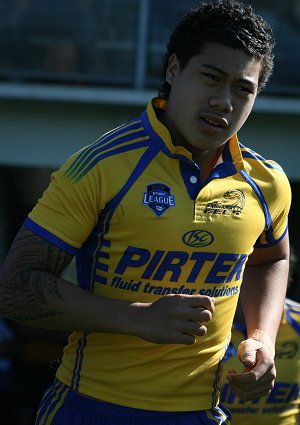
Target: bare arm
<point>262,296</point>
<point>29,279</point>
<point>33,293</point>
<point>264,288</point>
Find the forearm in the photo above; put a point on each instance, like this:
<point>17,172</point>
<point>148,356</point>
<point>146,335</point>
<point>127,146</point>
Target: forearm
<point>50,302</point>
<point>53,303</point>
<point>262,295</point>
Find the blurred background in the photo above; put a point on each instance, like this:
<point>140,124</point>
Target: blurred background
<point>71,70</point>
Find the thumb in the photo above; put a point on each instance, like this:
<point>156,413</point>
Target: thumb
<point>247,351</point>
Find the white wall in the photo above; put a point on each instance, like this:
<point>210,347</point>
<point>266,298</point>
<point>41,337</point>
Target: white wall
<point>40,134</point>
<point>45,133</point>
<point>36,133</point>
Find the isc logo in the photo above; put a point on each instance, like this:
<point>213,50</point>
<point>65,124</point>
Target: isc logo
<point>198,238</point>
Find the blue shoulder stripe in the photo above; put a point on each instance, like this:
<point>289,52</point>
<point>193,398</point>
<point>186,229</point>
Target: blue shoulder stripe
<point>87,166</point>
<point>249,153</point>
<point>103,139</point>
<point>110,144</point>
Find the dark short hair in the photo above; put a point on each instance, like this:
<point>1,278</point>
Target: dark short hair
<point>227,22</point>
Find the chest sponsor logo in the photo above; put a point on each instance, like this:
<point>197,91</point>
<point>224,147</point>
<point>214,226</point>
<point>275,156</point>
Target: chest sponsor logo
<point>158,197</point>
<point>198,238</point>
<point>233,203</point>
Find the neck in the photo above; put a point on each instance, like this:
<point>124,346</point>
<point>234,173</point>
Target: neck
<point>208,160</point>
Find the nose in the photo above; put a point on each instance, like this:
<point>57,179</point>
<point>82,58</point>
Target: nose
<point>222,100</point>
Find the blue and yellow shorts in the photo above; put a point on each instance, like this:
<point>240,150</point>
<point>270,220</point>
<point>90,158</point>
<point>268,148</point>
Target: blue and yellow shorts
<point>61,405</point>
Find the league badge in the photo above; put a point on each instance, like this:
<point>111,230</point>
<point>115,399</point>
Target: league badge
<point>158,197</point>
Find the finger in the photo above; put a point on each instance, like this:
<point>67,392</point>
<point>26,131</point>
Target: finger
<point>199,315</point>
<point>255,389</point>
<point>197,329</point>
<point>248,386</point>
<point>266,381</point>
<point>264,367</point>
<point>192,328</point>
<point>186,339</point>
<point>251,393</point>
<point>181,338</point>
<point>245,378</point>
<point>201,301</point>
<point>252,378</point>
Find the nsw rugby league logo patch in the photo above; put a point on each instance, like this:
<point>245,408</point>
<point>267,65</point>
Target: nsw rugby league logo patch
<point>158,197</point>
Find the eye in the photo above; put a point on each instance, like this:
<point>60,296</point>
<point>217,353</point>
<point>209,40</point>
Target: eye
<point>210,76</point>
<point>245,89</point>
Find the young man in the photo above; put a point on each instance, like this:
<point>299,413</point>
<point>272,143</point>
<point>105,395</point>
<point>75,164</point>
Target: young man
<point>162,214</point>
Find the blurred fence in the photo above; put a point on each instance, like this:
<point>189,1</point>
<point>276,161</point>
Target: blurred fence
<point>119,42</point>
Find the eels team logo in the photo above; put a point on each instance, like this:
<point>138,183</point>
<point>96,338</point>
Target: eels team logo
<point>233,203</point>
<point>158,197</point>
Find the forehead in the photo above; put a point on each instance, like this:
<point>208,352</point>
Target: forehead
<point>231,61</point>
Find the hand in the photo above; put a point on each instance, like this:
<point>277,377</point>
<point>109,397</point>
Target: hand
<point>257,380</point>
<point>173,319</point>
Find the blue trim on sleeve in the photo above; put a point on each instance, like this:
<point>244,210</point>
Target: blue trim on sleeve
<point>257,190</point>
<point>274,241</point>
<point>36,228</point>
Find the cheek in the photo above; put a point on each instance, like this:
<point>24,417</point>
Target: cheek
<point>244,112</point>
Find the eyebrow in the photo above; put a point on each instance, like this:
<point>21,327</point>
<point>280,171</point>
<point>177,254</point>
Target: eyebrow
<point>215,68</point>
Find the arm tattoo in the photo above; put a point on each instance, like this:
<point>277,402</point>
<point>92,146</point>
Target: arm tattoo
<point>29,276</point>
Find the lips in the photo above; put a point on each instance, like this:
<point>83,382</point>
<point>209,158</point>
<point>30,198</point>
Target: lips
<point>214,120</point>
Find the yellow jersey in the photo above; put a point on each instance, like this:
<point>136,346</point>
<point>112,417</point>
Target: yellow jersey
<point>132,209</point>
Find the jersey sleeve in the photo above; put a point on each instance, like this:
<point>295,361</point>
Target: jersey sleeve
<point>278,200</point>
<point>68,210</point>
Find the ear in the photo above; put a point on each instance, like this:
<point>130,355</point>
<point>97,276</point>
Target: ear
<point>172,69</point>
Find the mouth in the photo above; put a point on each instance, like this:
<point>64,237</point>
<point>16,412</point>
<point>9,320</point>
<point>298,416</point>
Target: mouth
<point>214,121</point>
